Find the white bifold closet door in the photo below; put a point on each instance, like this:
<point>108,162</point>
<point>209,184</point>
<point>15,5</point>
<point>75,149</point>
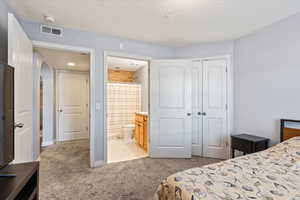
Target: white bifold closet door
<point>188,114</point>
<point>197,120</point>
<point>170,109</point>
<point>209,102</point>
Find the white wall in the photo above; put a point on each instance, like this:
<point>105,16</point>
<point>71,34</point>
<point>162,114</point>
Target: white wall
<point>48,75</point>
<point>142,78</point>
<point>205,50</point>
<point>267,78</point>
<point>266,66</point>
<point>100,43</point>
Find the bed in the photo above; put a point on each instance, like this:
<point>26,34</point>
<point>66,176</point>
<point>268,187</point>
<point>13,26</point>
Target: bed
<point>273,174</point>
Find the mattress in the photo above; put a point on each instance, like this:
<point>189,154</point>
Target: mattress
<point>273,174</point>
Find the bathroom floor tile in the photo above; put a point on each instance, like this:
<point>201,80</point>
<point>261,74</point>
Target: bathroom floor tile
<point>119,151</point>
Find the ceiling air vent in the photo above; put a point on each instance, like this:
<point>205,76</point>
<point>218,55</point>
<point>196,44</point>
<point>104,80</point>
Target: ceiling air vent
<point>51,30</point>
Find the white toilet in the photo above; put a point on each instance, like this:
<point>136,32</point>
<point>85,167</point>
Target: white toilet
<point>127,132</point>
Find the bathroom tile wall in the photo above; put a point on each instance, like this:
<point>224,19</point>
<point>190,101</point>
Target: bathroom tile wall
<point>123,101</point>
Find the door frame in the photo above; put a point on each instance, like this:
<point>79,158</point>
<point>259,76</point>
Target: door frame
<point>229,95</point>
<point>57,128</point>
<point>105,81</point>
<point>92,92</point>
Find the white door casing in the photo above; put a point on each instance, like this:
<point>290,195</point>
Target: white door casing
<point>170,109</point>
<point>20,56</point>
<point>72,105</point>
<point>215,109</point>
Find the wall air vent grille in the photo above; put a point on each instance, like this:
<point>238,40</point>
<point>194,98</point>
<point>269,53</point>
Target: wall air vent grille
<point>50,30</point>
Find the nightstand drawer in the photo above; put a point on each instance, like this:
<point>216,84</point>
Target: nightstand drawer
<point>241,145</point>
<point>260,146</point>
<point>248,143</point>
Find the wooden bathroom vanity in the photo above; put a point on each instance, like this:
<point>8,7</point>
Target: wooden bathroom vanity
<point>141,130</point>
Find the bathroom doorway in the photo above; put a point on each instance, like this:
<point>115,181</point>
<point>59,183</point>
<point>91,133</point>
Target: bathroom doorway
<point>127,108</point>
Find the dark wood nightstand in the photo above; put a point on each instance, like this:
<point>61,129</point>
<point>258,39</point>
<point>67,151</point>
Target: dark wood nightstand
<point>248,143</point>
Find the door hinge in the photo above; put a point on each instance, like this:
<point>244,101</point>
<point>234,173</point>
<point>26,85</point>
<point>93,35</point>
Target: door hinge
<point>226,106</point>
<point>226,70</point>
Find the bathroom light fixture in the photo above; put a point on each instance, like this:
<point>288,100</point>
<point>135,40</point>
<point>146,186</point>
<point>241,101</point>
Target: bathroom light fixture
<point>71,64</point>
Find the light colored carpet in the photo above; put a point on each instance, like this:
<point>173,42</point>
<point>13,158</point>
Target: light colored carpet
<point>65,174</point>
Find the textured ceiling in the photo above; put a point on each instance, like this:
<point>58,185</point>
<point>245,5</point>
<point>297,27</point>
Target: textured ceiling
<point>170,22</point>
<point>59,59</point>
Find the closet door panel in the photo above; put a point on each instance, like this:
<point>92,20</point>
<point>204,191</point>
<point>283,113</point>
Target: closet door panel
<point>170,110</point>
<point>214,108</point>
<point>197,108</point>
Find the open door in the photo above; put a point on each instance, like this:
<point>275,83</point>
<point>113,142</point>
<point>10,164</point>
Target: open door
<point>20,57</point>
<point>170,109</point>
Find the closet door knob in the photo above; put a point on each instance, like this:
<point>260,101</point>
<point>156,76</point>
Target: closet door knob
<point>189,114</point>
<point>199,113</point>
<point>18,125</point>
<point>204,114</point>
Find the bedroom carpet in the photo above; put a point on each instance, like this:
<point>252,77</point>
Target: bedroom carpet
<point>65,174</point>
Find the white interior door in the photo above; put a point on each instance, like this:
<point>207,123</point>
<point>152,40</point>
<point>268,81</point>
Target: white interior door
<point>197,122</point>
<point>215,109</point>
<point>73,105</point>
<point>20,56</point>
<point>170,109</point>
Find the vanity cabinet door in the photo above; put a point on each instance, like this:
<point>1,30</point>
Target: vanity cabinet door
<point>141,134</point>
<point>145,133</point>
<point>137,134</point>
<point>141,131</point>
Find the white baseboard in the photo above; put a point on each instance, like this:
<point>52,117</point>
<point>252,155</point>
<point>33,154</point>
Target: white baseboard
<point>196,150</point>
<point>47,143</point>
<point>98,163</point>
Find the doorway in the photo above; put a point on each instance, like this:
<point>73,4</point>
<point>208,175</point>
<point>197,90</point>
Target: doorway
<point>127,106</point>
<point>190,107</point>
<point>72,104</point>
<point>65,102</point>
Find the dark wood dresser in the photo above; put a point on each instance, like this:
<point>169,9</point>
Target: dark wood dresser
<point>248,143</point>
<point>25,186</point>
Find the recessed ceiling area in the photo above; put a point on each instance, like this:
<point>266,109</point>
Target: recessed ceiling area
<point>170,22</point>
<point>67,60</point>
<point>126,64</point>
